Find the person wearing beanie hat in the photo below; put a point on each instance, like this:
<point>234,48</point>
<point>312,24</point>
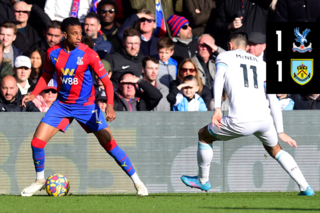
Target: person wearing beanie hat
<point>257,45</point>
<point>22,71</point>
<point>185,44</point>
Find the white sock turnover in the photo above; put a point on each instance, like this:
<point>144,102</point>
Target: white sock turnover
<point>204,156</point>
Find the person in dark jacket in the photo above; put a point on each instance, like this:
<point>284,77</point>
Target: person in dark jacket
<point>8,31</point>
<point>107,11</point>
<point>27,34</point>
<point>91,27</point>
<point>306,101</point>
<point>189,67</point>
<point>146,22</point>
<point>185,44</point>
<point>126,58</point>
<point>10,97</point>
<point>5,67</point>
<point>6,11</point>
<point>297,11</point>
<point>128,99</point>
<point>234,15</point>
<point>198,13</point>
<point>51,36</point>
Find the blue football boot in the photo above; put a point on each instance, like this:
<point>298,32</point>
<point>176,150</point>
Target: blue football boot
<point>194,182</point>
<point>308,192</point>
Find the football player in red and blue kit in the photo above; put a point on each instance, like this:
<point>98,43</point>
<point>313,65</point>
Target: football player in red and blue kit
<point>71,62</point>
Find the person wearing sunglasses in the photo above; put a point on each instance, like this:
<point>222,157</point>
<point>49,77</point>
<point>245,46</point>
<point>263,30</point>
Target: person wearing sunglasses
<point>10,97</point>
<point>185,43</point>
<point>44,100</point>
<point>188,67</point>
<point>107,11</point>
<point>147,23</point>
<point>31,21</point>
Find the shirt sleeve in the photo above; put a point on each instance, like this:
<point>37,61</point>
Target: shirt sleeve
<point>218,83</point>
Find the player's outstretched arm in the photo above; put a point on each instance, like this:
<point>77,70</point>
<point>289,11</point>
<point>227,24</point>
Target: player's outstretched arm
<point>26,99</point>
<point>287,139</point>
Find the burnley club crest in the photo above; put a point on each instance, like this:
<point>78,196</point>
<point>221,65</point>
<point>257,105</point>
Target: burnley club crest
<point>301,38</point>
<point>301,70</point>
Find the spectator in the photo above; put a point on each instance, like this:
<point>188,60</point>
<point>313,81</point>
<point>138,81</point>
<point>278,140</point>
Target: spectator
<point>147,24</point>
<point>5,67</point>
<point>98,85</point>
<point>8,31</point>
<point>44,100</point>
<point>306,101</point>
<point>248,16</point>
<point>297,11</point>
<point>22,71</point>
<point>36,56</point>
<point>107,10</point>
<point>257,45</point>
<point>224,103</point>
<point>126,58</point>
<point>58,10</point>
<point>286,103</point>
<point>91,27</point>
<point>167,65</point>
<point>52,36</point>
<point>150,70</point>
<point>185,44</point>
<point>26,34</point>
<point>10,97</point>
<point>205,58</point>
<point>128,99</point>
<point>188,67</point>
<point>198,13</point>
<point>6,11</point>
<point>162,9</point>
<point>101,100</point>
<point>188,100</point>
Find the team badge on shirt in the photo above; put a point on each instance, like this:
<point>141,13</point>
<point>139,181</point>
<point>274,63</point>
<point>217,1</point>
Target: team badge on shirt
<point>80,62</point>
<point>302,39</point>
<point>302,70</point>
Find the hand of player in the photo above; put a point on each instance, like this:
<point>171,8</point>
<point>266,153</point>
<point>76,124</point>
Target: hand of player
<point>130,79</point>
<point>287,139</point>
<point>237,23</point>
<point>111,114</point>
<point>26,99</point>
<point>216,118</point>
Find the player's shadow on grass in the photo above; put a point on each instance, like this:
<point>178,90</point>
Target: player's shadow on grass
<point>271,209</point>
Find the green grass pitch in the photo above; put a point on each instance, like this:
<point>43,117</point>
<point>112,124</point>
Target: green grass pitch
<point>172,202</point>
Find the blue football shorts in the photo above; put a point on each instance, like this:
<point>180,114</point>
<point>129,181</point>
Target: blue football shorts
<point>60,115</point>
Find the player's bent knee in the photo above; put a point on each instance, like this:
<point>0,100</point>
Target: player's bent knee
<point>273,151</point>
<point>205,136</point>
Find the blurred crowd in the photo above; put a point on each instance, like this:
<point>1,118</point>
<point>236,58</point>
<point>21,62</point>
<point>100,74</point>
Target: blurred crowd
<point>159,54</point>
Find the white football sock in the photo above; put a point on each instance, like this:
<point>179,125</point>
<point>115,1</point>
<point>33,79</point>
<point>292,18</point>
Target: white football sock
<point>135,178</point>
<point>40,175</point>
<point>204,156</point>
<point>290,166</point>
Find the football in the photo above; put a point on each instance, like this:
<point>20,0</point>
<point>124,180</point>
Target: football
<point>57,185</point>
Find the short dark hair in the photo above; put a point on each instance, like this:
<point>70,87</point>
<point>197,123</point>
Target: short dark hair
<point>165,42</point>
<point>92,15</point>
<point>87,40</point>
<point>71,21</point>
<point>239,38</point>
<point>9,24</point>
<point>190,78</point>
<point>53,24</point>
<point>104,2</point>
<point>149,58</point>
<point>130,32</point>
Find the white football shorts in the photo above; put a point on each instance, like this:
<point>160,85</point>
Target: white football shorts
<point>263,130</point>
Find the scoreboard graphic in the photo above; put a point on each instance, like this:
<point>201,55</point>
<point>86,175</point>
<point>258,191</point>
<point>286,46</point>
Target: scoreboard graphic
<point>293,57</point>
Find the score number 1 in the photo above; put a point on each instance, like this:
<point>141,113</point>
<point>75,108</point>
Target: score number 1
<point>279,63</point>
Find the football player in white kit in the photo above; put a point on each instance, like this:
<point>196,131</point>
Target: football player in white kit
<point>243,77</point>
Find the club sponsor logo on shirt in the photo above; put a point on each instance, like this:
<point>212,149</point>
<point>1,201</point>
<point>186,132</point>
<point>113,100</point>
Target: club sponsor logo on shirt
<point>301,38</point>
